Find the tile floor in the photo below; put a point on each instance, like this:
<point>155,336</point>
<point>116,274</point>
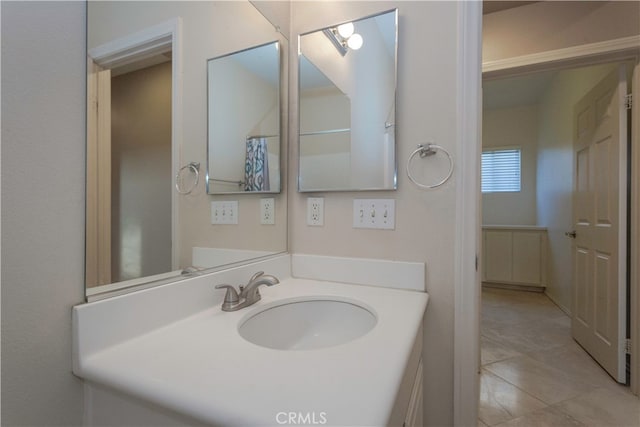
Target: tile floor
<point>535,374</point>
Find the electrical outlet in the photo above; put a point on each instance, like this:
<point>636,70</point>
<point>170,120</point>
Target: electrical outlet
<point>374,213</point>
<point>224,212</point>
<point>315,211</point>
<point>267,211</point>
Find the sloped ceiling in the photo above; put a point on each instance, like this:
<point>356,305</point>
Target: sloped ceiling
<point>497,6</point>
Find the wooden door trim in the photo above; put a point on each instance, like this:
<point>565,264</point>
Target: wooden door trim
<point>635,234</point>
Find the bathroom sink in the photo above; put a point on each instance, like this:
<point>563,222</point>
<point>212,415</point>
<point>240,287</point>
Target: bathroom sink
<point>308,324</point>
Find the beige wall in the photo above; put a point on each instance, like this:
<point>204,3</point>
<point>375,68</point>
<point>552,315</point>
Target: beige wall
<point>425,220</point>
<point>512,127</point>
<point>555,171</point>
<point>43,157</point>
<point>207,33</point>
<point>551,25</point>
<point>141,178</point>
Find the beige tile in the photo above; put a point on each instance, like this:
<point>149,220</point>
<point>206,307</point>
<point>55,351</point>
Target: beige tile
<point>563,320</point>
<point>481,424</point>
<point>520,312</point>
<point>492,351</point>
<point>540,380</point>
<point>577,363</point>
<point>501,401</point>
<point>530,336</point>
<point>547,417</point>
<point>550,368</point>
<point>604,407</point>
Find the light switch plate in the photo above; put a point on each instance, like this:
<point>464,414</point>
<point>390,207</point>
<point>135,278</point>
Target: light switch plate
<point>315,211</point>
<point>267,211</point>
<point>224,212</point>
<point>374,213</point>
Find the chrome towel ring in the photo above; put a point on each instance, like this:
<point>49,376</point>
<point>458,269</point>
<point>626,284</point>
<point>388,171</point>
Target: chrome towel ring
<point>425,151</point>
<point>193,167</point>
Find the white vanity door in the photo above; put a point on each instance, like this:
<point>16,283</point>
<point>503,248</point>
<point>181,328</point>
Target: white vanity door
<point>414,411</point>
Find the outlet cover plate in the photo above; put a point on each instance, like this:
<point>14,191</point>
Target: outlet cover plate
<point>267,211</point>
<point>315,211</point>
<point>374,213</point>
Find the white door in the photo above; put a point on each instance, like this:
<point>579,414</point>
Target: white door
<point>600,219</point>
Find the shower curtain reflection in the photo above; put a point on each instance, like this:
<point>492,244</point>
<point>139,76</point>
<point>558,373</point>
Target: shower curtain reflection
<point>256,169</point>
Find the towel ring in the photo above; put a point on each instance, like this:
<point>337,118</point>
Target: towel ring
<point>425,151</point>
<point>193,167</point>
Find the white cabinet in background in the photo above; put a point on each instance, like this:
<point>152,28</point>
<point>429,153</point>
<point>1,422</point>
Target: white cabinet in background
<point>514,255</point>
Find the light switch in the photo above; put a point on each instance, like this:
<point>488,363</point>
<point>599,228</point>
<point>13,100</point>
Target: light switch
<point>374,213</point>
<point>224,212</point>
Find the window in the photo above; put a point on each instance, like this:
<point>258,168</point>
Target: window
<point>501,170</point>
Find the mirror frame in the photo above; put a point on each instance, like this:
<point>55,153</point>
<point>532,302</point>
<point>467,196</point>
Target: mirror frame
<point>395,103</point>
<point>208,186</point>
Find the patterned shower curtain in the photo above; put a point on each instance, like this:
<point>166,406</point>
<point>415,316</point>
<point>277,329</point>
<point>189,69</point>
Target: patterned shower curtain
<point>256,168</point>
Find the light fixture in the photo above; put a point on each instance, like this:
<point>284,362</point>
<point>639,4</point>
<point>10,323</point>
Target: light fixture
<point>346,30</point>
<point>355,42</point>
<point>344,38</point>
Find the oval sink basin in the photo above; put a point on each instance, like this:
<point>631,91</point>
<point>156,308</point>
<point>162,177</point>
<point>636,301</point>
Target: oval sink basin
<point>307,324</point>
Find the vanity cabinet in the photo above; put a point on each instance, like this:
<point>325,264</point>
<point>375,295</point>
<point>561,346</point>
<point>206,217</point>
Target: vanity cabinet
<point>514,255</point>
<point>414,411</point>
<point>122,386</point>
<point>408,407</point>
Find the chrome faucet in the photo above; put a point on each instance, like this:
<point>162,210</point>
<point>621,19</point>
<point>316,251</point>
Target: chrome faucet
<point>249,293</point>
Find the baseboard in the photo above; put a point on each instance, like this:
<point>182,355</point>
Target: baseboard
<point>513,287</point>
<point>560,306</point>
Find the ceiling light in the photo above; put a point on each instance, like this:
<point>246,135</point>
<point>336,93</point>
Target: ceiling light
<point>346,30</point>
<point>355,42</point>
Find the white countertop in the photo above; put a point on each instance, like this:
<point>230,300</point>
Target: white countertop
<point>201,367</point>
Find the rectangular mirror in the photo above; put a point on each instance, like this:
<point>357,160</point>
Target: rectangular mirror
<point>347,90</point>
<point>243,99</point>
<point>149,215</point>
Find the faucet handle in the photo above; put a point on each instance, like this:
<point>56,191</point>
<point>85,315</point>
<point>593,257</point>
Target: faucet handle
<point>255,276</point>
<point>231,297</point>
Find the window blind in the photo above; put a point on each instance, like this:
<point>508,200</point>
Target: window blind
<point>501,170</point>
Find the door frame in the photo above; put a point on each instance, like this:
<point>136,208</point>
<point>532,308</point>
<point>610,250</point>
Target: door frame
<point>467,300</point>
<point>160,38</point>
<point>466,339</point>
<point>98,176</point>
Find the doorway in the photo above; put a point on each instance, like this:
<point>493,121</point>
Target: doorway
<point>129,169</point>
<point>141,170</point>
<point>581,52</point>
<point>525,246</point>
<point>143,67</point>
